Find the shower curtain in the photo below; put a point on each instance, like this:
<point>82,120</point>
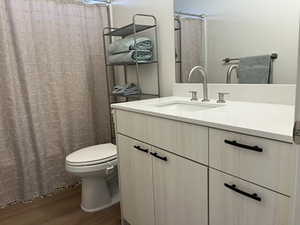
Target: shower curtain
<point>192,47</point>
<point>53,97</point>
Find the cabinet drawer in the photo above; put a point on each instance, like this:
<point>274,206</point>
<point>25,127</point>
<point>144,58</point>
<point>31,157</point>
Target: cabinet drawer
<point>237,205</point>
<point>184,139</point>
<point>262,161</point>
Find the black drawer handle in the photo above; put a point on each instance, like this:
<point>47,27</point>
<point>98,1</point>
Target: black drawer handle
<point>234,188</point>
<point>141,149</point>
<point>252,148</point>
<point>155,154</point>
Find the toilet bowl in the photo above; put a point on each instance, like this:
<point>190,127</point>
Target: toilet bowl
<point>94,165</point>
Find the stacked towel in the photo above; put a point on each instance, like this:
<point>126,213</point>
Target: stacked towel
<point>127,90</point>
<point>255,70</point>
<point>127,44</point>
<point>128,51</point>
<point>131,57</point>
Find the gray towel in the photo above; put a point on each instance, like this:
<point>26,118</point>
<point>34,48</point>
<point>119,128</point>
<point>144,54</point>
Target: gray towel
<point>131,57</point>
<point>255,70</point>
<point>127,90</point>
<point>127,44</point>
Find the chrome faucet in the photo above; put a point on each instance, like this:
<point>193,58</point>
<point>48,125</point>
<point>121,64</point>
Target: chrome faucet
<point>229,73</point>
<point>204,76</point>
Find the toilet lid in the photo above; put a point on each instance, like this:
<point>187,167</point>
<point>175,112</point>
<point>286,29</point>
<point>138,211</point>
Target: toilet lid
<point>93,155</point>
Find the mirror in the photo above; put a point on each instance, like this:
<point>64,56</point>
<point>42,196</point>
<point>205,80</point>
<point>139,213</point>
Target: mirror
<point>236,41</point>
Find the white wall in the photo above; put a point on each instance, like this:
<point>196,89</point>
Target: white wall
<point>123,10</point>
<point>238,28</point>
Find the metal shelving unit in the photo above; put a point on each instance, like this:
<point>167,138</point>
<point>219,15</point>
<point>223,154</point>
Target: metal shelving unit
<point>132,30</point>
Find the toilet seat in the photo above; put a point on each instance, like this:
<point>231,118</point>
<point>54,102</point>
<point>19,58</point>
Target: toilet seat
<point>94,169</point>
<point>93,155</point>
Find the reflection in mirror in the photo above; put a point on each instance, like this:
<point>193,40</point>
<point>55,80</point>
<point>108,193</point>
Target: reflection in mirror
<point>236,41</point>
<point>190,46</point>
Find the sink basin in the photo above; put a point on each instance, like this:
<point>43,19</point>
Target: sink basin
<point>186,106</point>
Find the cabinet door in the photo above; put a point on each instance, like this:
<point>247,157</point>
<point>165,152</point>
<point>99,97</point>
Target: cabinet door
<point>180,190</point>
<point>237,202</point>
<point>136,183</point>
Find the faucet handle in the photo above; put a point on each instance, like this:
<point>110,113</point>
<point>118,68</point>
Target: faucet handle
<point>194,95</point>
<point>222,97</point>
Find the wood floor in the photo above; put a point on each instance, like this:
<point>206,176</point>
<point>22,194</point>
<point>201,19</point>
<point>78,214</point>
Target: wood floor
<point>61,209</point>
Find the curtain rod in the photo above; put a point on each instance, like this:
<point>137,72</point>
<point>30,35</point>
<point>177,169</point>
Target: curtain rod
<point>100,4</point>
<point>190,14</point>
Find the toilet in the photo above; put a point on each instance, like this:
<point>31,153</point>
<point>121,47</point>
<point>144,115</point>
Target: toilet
<point>94,165</point>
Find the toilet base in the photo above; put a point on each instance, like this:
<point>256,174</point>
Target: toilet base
<point>95,194</point>
<point>115,200</point>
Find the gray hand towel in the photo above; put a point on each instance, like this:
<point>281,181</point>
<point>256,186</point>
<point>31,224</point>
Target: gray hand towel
<point>255,70</point>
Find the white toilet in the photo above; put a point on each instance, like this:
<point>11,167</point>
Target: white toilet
<point>94,164</point>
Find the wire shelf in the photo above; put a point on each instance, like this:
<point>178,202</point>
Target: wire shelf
<point>133,63</point>
<point>129,30</point>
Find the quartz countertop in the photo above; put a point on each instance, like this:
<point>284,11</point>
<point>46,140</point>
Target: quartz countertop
<point>271,121</point>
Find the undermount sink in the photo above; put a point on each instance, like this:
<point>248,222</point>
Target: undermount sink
<point>186,106</point>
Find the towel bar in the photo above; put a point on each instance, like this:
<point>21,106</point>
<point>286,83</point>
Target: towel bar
<point>227,60</point>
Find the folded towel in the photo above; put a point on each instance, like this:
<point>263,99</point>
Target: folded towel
<point>127,44</point>
<point>255,70</point>
<point>117,89</point>
<point>131,57</point>
<point>127,90</point>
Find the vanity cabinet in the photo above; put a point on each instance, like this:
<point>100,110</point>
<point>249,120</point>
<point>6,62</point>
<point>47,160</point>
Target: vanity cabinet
<point>265,162</point>
<point>184,139</point>
<point>174,173</point>
<point>136,181</point>
<point>158,187</point>
<point>237,202</point>
<point>180,190</point>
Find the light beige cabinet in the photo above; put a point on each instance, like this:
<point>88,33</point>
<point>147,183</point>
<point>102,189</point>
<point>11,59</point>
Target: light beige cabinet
<point>237,202</point>
<point>184,139</point>
<point>265,162</point>
<point>160,188</point>
<point>175,173</point>
<point>136,181</point>
<point>180,190</point>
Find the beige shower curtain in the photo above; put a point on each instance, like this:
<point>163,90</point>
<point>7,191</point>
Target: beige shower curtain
<point>53,97</point>
<point>192,47</point>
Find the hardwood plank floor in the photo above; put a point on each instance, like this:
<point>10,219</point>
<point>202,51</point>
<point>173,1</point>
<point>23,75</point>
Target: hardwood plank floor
<point>60,209</point>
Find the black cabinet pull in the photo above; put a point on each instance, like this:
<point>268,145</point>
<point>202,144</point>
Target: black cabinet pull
<point>141,149</point>
<point>234,188</point>
<point>252,148</point>
<point>155,154</point>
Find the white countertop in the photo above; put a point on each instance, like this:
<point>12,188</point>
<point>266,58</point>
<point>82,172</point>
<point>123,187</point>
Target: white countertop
<point>271,121</point>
